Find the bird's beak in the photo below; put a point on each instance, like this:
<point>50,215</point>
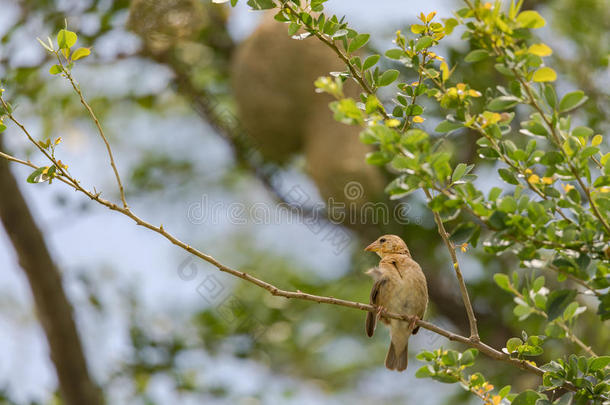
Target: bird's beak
<point>373,247</point>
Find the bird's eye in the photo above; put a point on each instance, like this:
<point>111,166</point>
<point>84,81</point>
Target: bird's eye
<point>382,240</point>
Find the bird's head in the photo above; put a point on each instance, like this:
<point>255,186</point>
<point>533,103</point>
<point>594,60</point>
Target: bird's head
<point>388,244</point>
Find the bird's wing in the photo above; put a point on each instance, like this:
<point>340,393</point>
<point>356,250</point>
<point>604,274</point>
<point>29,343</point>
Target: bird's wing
<point>415,281</point>
<point>371,318</point>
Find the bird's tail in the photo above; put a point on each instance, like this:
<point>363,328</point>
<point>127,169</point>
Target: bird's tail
<point>397,359</point>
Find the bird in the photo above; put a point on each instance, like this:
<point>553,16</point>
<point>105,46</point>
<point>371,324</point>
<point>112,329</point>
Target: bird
<point>400,287</point>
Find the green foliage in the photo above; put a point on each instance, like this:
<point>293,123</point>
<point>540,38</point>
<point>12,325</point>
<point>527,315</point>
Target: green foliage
<point>554,217</point>
<point>550,208</point>
<point>447,366</point>
<point>591,377</point>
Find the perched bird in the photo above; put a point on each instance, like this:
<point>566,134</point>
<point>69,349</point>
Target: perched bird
<point>400,287</point>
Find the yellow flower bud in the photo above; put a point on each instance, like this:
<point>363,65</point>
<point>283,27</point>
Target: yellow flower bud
<point>533,179</point>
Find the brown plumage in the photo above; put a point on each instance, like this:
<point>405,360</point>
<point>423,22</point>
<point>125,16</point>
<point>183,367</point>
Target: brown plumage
<point>400,286</point>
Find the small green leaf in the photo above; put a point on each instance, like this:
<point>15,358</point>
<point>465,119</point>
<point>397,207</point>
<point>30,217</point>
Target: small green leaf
<point>370,61</point>
<point>55,69</point>
<point>513,344</point>
<point>459,172</point>
<point>508,204</point>
<point>388,77</point>
<point>503,103</point>
<point>394,54</point>
<point>502,281</point>
<point>448,126</point>
<point>476,56</point>
<point>467,358</point>
<point>263,5</point>
<point>530,19</point>
<point>36,176</point>
<point>423,42</point>
<point>377,158</point>
<point>414,109</point>
<point>522,312</point>
<point>66,39</point>
<point>602,181</point>
<point>450,358</point>
<point>293,28</point>
<point>508,176</point>
<point>358,42</point>
<point>528,397</point>
<point>424,372</point>
<point>572,100</point>
<point>549,95</point>
<point>81,53</point>
<point>558,301</point>
<point>553,330</point>
<point>425,356</point>
<point>570,311</point>
<point>504,391</point>
<point>599,363</point>
<point>538,283</point>
<point>418,28</point>
<point>450,24</point>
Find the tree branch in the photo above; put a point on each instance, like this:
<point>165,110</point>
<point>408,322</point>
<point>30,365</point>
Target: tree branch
<point>78,91</point>
<point>474,333</point>
<point>52,305</point>
<point>472,341</point>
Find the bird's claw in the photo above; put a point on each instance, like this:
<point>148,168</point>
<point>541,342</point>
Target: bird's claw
<point>413,322</point>
<point>378,312</point>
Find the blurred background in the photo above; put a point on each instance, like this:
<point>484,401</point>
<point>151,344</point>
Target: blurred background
<point>220,137</point>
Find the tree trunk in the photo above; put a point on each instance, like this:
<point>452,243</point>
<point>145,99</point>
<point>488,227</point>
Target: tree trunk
<point>52,306</point>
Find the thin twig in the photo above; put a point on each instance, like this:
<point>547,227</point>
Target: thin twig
<point>78,91</point>
<point>474,333</point>
<point>487,350</point>
<point>354,72</point>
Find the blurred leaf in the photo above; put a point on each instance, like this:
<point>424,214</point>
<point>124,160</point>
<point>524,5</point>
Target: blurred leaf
<point>55,69</point>
<point>476,56</point>
<point>388,77</point>
<point>358,42</point>
<point>66,39</point>
<point>502,281</point>
<point>557,302</point>
<point>530,19</point>
<point>528,397</point>
<point>423,42</point>
<point>545,74</point>
<point>572,100</point>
